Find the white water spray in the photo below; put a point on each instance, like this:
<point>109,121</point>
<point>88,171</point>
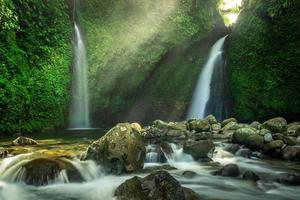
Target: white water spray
<point>202,91</point>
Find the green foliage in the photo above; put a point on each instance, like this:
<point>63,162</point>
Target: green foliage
<point>126,39</point>
<point>264,61</point>
<point>34,64</point>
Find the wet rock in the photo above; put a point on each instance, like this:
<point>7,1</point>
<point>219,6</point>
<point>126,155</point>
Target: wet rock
<point>256,125</point>
<point>273,145</point>
<point>241,135</point>
<point>289,179</point>
<point>263,132</point>
<point>199,125</point>
<point>177,126</point>
<point>275,125</point>
<point>166,148</point>
<point>246,153</point>
<point>211,119</point>
<point>231,126</point>
<point>203,136</point>
<point>160,124</point>
<point>255,142</point>
<point>294,129</point>
<point>150,169</point>
<point>199,149</point>
<point>157,185</point>
<point>121,149</point>
<point>22,141</point>
<point>268,138</point>
<point>232,148</point>
<point>250,176</point>
<point>216,128</point>
<point>189,174</point>
<point>3,152</point>
<point>228,170</point>
<point>291,153</point>
<point>43,171</point>
<point>226,121</point>
<point>289,140</point>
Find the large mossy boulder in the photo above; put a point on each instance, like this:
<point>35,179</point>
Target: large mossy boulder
<point>199,149</point>
<point>159,185</point>
<point>199,125</point>
<point>22,141</point>
<point>227,121</point>
<point>241,135</point>
<point>291,153</point>
<point>275,125</point>
<point>121,149</point>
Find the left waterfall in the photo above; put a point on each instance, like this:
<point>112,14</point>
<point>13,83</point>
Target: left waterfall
<point>79,109</point>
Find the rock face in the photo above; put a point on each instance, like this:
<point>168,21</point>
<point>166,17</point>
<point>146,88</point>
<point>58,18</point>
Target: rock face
<point>275,125</point>
<point>22,141</point>
<point>120,150</point>
<point>158,185</point>
<point>199,149</point>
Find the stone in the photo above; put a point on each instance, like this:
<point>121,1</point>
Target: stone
<point>202,135</point>
<point>291,153</point>
<point>273,145</point>
<point>157,185</point>
<point>177,126</point>
<point>289,179</point>
<point>199,125</point>
<point>294,129</point>
<point>228,170</point>
<point>211,119</point>
<point>298,140</point>
<point>263,132</point>
<point>232,148</point>
<point>3,152</point>
<point>121,149</point>
<point>231,126</point>
<point>166,148</point>
<point>216,128</point>
<point>199,149</point>
<point>255,125</point>
<point>246,153</point>
<point>276,125</point>
<point>255,142</point>
<point>226,121</point>
<point>43,171</point>
<point>250,176</point>
<point>289,140</point>
<point>268,137</point>
<point>22,141</point>
<point>189,174</point>
<point>241,135</point>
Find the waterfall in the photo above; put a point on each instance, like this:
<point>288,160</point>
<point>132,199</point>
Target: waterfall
<point>79,111</point>
<point>202,92</point>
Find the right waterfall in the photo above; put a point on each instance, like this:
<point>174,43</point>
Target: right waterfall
<point>210,85</point>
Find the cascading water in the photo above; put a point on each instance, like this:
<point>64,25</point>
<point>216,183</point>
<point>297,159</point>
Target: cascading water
<point>79,111</point>
<point>203,89</point>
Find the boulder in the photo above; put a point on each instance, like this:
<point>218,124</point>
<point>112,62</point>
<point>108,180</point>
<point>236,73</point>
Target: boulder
<point>241,135</point>
<point>273,145</point>
<point>291,153</point>
<point>177,126</point>
<point>255,125</point>
<point>232,148</point>
<point>226,121</point>
<point>160,124</point>
<point>202,135</point>
<point>199,149</point>
<point>121,149</point>
<point>228,170</point>
<point>211,119</point>
<point>216,128</point>
<point>231,126</point>
<point>43,171</point>
<point>294,129</point>
<point>250,176</point>
<point>289,179</point>
<point>275,125</point>
<point>199,125</point>
<point>158,185</point>
<point>268,137</point>
<point>289,140</point>
<point>263,132</point>
<point>189,174</point>
<point>246,153</point>
<point>255,142</point>
<point>298,140</point>
<point>22,141</point>
<point>3,152</point>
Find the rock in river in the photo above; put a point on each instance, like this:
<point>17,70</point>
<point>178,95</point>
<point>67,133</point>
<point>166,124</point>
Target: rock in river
<point>199,149</point>
<point>22,141</point>
<point>276,125</point>
<point>159,185</point>
<point>121,149</point>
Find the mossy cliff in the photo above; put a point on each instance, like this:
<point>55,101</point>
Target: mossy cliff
<point>35,55</point>
<point>264,58</point>
<point>143,54</point>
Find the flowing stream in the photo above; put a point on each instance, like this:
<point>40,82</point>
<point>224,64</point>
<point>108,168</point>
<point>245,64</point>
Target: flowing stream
<point>202,91</point>
<point>97,185</point>
<point>79,110</point>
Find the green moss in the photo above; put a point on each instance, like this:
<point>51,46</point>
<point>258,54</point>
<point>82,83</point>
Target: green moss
<point>127,39</point>
<point>34,64</point>
<point>264,61</point>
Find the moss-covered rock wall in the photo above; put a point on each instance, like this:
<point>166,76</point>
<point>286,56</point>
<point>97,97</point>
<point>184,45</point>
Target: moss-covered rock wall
<point>130,41</point>
<point>264,60</point>
<point>35,55</point>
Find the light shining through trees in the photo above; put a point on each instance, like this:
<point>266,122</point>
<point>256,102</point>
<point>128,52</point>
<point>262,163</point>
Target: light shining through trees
<point>230,9</point>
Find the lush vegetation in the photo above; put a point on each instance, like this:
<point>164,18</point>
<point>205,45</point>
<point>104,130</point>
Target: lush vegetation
<point>264,60</point>
<point>35,57</point>
<point>127,39</point>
